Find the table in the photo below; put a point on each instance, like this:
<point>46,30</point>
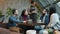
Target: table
<point>7,31</point>
<point>32,24</point>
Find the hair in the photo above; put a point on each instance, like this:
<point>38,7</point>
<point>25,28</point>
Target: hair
<point>32,2</point>
<point>23,12</point>
<point>47,10</point>
<point>13,11</point>
<point>52,10</point>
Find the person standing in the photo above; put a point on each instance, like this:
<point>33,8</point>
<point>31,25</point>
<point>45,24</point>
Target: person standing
<point>33,12</point>
<point>24,15</point>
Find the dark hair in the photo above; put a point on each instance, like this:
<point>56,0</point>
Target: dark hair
<point>23,12</point>
<point>47,10</point>
<point>13,11</point>
<point>32,2</point>
<point>52,10</point>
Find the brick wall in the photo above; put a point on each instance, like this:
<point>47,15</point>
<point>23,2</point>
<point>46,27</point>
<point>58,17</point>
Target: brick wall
<point>18,4</point>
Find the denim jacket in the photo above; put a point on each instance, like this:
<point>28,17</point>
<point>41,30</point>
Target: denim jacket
<point>46,19</point>
<point>13,21</point>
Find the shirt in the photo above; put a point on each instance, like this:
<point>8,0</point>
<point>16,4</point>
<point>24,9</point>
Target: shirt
<point>54,21</point>
<point>13,21</point>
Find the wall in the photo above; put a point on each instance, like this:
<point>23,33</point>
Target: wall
<point>18,4</point>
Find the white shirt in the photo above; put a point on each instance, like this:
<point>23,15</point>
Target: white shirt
<point>53,19</point>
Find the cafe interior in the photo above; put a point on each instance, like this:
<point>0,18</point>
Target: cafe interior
<point>29,16</point>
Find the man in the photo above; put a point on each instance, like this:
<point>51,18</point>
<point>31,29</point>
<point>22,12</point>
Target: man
<point>44,19</point>
<point>13,20</point>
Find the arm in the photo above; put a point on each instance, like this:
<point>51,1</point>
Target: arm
<point>14,19</point>
<point>20,18</point>
<point>46,20</point>
<point>53,20</point>
<point>41,18</point>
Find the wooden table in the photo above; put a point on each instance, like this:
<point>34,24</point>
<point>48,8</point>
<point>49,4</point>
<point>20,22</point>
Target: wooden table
<point>32,24</point>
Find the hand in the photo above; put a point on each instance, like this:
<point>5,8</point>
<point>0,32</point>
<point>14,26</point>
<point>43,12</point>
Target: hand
<point>24,22</point>
<point>16,24</point>
<point>46,27</point>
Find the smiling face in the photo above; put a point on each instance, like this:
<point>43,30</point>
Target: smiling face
<point>26,12</point>
<point>16,12</point>
<point>44,11</point>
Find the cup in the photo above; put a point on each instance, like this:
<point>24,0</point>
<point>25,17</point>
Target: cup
<point>29,21</point>
<point>38,21</point>
<point>31,32</point>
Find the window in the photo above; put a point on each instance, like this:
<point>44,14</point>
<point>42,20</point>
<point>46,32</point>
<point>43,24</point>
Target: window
<point>44,2</point>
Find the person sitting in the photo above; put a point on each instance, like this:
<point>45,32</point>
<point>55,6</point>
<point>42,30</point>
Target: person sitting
<point>54,25</point>
<point>44,19</point>
<point>24,16</point>
<point>13,20</point>
<point>54,19</point>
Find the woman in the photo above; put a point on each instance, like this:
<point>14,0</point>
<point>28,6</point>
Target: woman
<point>54,24</point>
<point>24,15</point>
<point>54,19</point>
<point>45,17</point>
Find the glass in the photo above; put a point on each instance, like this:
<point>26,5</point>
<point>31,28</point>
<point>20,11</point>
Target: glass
<point>44,2</point>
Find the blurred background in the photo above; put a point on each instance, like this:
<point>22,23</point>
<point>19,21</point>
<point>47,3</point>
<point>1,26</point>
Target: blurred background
<point>6,5</point>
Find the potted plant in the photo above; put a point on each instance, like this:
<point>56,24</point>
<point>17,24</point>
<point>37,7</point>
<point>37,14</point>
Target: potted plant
<point>1,14</point>
<point>9,11</point>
